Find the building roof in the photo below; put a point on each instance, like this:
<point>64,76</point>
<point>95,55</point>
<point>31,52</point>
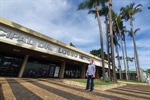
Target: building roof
<point>49,39</point>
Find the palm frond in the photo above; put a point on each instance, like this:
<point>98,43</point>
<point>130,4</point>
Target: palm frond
<point>131,5</point>
<point>93,12</point>
<point>83,5</point>
<point>138,29</point>
<point>130,32</point>
<point>87,4</point>
<point>138,6</point>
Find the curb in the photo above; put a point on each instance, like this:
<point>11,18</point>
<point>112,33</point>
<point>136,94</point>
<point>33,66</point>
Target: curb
<point>97,87</point>
<point>147,84</point>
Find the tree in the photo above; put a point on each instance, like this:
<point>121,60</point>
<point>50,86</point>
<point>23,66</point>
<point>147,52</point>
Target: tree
<point>89,4</point>
<point>111,38</point>
<point>130,34</point>
<point>116,47</point>
<point>125,48</point>
<point>118,24</point>
<point>104,12</point>
<point>96,52</point>
<point>71,44</point>
<point>128,13</point>
<point>130,59</point>
<point>148,71</point>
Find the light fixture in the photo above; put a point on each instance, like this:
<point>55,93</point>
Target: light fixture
<point>16,50</point>
<point>62,60</point>
<point>44,56</point>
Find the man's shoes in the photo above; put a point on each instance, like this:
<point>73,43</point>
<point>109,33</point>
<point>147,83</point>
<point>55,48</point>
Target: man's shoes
<point>86,90</point>
<point>91,90</point>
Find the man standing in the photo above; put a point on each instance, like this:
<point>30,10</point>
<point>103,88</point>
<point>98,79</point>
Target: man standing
<point>90,74</point>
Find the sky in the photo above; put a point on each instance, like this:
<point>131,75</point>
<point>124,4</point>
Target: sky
<point>60,19</point>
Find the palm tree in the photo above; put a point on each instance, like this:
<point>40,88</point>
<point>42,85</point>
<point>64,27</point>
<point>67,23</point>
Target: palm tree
<point>89,4</point>
<point>130,34</point>
<point>125,49</point>
<point>118,57</point>
<point>128,13</point>
<point>104,12</point>
<point>120,30</point>
<point>111,38</point>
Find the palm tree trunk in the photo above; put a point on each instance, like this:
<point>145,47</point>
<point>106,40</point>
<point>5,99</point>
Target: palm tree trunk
<point>112,44</point>
<point>122,51</point>
<point>135,50</point>
<point>119,65</point>
<point>107,46</point>
<point>136,66</point>
<point>127,60</point>
<point>101,40</point>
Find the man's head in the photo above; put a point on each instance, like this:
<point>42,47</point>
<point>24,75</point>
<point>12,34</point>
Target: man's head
<point>91,61</point>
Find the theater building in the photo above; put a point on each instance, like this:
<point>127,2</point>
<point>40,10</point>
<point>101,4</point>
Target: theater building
<point>27,53</point>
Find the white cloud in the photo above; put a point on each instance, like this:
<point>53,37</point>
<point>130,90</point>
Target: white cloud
<point>60,20</point>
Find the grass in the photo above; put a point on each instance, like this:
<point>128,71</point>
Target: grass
<point>96,82</point>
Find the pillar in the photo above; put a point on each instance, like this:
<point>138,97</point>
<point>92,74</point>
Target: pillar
<point>62,70</point>
<point>97,72</point>
<point>23,65</point>
<point>83,71</point>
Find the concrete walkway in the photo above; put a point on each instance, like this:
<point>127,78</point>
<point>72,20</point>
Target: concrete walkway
<point>134,83</point>
<point>55,89</point>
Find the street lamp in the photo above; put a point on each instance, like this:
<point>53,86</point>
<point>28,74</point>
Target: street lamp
<point>149,7</point>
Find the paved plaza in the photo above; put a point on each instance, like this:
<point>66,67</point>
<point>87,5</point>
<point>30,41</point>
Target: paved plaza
<point>55,89</point>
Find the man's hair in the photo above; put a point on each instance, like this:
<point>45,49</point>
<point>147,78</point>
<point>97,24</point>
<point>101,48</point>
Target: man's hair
<point>92,60</point>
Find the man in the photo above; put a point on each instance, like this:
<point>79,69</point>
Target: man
<point>90,74</point>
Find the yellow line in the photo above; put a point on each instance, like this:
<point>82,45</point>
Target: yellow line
<point>7,91</point>
<point>44,94</point>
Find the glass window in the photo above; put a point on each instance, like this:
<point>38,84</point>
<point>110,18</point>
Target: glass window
<point>10,65</point>
<point>40,68</point>
<point>72,72</point>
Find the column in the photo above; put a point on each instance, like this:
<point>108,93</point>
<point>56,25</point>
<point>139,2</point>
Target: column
<point>62,70</point>
<point>23,65</point>
<point>97,72</point>
<point>83,71</point>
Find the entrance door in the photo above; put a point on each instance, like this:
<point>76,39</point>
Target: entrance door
<point>51,70</point>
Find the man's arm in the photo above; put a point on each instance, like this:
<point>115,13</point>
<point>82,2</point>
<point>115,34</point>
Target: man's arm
<point>87,72</point>
<point>94,71</point>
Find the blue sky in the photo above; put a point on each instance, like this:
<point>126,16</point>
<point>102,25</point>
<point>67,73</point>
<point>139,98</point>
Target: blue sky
<point>60,20</point>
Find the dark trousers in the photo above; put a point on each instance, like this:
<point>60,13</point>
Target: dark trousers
<point>90,81</point>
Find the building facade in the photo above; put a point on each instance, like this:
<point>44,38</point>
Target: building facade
<point>27,53</point>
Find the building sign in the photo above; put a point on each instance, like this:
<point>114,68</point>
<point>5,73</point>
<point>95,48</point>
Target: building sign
<point>41,45</point>
<point>22,39</point>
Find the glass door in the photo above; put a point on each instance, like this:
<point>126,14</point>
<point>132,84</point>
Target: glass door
<point>51,70</point>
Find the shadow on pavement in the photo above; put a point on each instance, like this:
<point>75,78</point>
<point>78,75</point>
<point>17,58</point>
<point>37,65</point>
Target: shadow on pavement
<point>81,90</point>
<point>128,94</point>
<point>20,92</point>
<point>64,94</point>
<point>1,93</point>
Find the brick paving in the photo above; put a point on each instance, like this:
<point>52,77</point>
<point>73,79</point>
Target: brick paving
<point>55,89</point>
